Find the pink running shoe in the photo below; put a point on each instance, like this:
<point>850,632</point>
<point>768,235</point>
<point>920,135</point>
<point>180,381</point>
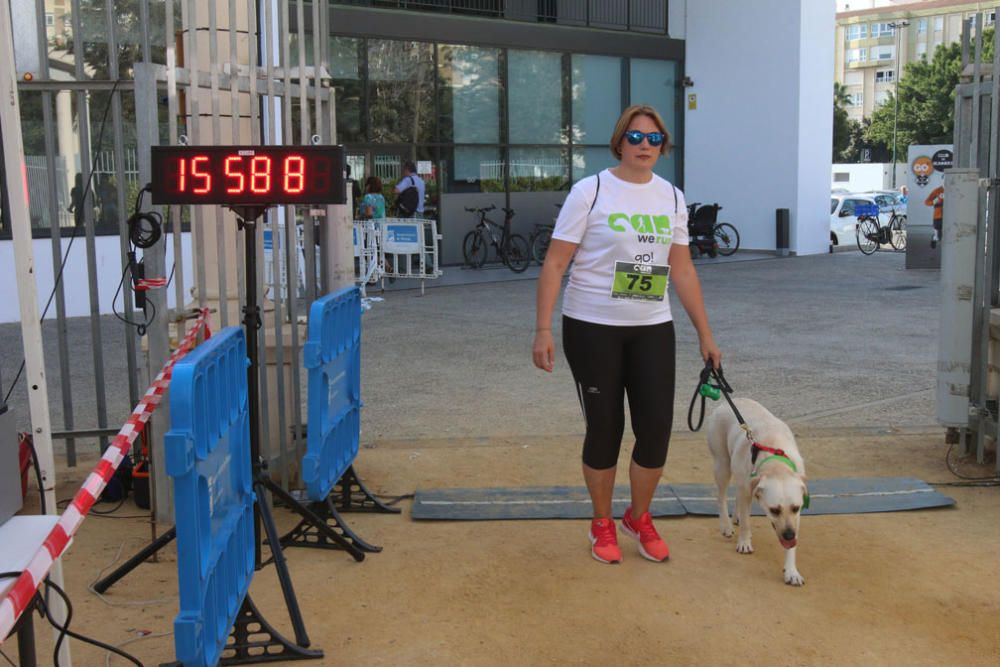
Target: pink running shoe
<point>651,545</point>
<point>604,539</point>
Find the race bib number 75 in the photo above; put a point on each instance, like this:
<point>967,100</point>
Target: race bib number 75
<point>640,282</point>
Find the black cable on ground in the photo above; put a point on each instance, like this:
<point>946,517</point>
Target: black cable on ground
<point>392,500</point>
<point>83,200</point>
<point>64,630</point>
<point>968,482</point>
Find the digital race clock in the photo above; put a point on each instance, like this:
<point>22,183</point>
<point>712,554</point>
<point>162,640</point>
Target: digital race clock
<point>248,175</point>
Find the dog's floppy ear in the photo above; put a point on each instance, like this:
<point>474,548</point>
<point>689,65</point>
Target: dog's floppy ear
<point>805,494</point>
<point>754,483</point>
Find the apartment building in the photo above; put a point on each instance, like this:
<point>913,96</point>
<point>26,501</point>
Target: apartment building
<point>876,39</point>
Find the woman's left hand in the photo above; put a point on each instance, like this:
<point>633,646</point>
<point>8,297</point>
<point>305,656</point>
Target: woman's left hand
<point>709,350</point>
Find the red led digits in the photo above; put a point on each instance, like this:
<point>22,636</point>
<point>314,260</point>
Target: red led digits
<point>182,176</point>
<point>234,178</point>
<point>247,175</point>
<point>260,175</point>
<point>295,174</point>
<point>206,177</point>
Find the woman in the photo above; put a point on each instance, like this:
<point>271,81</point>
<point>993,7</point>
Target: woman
<point>373,203</point>
<point>628,230</point>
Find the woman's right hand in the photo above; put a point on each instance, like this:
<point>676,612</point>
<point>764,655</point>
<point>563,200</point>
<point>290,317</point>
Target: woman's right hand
<point>544,350</point>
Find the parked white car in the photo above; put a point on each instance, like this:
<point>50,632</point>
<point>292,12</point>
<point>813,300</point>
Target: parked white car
<point>843,219</point>
<point>888,201</point>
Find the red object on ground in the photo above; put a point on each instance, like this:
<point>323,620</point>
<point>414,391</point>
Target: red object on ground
<point>24,458</point>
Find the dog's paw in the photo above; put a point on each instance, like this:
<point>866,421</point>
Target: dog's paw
<point>727,531</point>
<point>793,578</point>
<point>744,547</point>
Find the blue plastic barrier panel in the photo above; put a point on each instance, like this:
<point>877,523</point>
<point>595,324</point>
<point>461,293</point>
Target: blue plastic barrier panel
<point>208,457</point>
<point>332,355</point>
<point>402,238</point>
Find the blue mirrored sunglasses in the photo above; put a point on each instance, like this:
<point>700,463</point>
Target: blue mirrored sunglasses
<point>635,137</point>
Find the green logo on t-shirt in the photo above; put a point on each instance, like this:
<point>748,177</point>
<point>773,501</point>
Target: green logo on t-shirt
<point>651,228</point>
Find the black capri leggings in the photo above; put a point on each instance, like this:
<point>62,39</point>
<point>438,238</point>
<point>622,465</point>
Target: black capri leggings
<point>608,361</point>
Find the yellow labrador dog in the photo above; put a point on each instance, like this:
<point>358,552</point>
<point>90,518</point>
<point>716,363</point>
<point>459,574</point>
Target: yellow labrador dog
<point>777,480</point>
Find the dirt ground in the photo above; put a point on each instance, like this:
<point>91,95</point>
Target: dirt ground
<point>912,588</point>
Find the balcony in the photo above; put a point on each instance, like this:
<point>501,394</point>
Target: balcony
<point>649,16</point>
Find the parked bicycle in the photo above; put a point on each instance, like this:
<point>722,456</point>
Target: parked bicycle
<point>872,235</point>
<point>707,235</point>
<point>512,249</point>
<point>539,241</point>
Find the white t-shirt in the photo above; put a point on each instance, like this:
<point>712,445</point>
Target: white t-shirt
<point>627,236</point>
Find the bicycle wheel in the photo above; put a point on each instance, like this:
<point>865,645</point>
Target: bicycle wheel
<point>474,249</point>
<point>867,234</point>
<point>728,238</point>
<point>517,256</point>
<point>897,232</point>
<point>540,244</point>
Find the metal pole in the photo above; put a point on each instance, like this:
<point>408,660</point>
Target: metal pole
<point>895,97</point>
<point>16,194</point>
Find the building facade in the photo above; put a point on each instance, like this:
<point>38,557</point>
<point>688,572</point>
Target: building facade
<point>498,103</point>
<point>873,46</point>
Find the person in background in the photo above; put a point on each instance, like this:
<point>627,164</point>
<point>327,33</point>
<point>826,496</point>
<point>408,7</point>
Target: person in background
<point>352,184</point>
<point>372,205</point>
<point>410,191</point>
<point>936,199</point>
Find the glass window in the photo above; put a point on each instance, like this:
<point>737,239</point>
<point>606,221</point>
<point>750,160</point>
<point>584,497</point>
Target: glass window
<point>883,30</point>
<point>833,206</point>
<point>469,84</point>
<point>597,84</point>
<point>538,169</point>
<point>401,91</point>
<point>535,97</point>
<point>938,23</point>
<point>345,71</point>
<point>590,160</point>
<point>473,169</point>
<point>922,26</point>
<point>654,82</point>
<point>921,49</point>
<point>857,31</point>
<point>883,52</point>
<point>885,76</point>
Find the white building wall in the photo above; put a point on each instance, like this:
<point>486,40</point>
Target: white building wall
<point>74,281</point>
<point>760,138</point>
<point>810,219</point>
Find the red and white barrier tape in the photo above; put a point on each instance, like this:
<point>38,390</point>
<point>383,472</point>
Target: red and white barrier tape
<point>144,284</point>
<point>20,595</point>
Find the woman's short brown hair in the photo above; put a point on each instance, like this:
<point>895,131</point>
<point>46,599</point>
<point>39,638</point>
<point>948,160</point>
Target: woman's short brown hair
<point>621,127</point>
<point>373,184</point>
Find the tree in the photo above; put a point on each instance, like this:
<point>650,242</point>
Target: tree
<point>854,153</point>
<point>926,105</point>
<point>841,123</point>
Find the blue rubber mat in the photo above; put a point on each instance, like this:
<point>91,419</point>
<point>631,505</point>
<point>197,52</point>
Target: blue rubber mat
<point>832,496</point>
<point>828,496</point>
<point>539,502</point>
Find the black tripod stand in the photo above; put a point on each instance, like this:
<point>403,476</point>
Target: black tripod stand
<point>311,520</point>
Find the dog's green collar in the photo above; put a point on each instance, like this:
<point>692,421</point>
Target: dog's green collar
<point>788,462</point>
<point>775,457</point>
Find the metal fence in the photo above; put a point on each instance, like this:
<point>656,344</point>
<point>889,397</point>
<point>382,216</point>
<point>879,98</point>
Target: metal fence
<point>976,148</point>
<point>210,72</point>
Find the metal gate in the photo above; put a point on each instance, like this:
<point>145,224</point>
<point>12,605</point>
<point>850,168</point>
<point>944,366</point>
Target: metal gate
<point>967,364</point>
<point>206,72</point>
